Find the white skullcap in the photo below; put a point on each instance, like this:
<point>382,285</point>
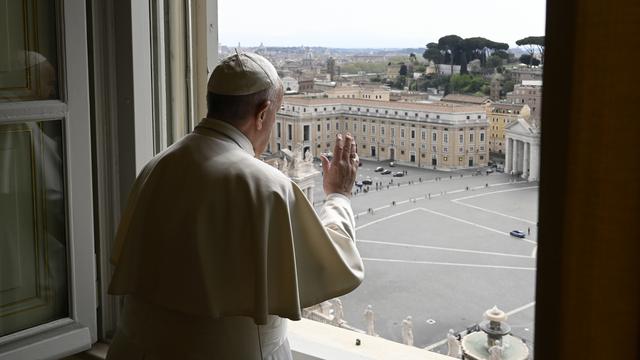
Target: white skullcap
<point>242,74</point>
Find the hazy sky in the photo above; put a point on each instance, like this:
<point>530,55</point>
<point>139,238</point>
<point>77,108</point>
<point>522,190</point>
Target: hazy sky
<point>375,23</point>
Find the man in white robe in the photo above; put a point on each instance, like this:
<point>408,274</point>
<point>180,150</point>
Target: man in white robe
<point>216,249</point>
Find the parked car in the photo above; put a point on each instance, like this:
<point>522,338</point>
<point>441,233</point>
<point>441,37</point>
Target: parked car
<point>386,172</point>
<point>398,174</point>
<point>489,170</point>
<point>367,181</point>
<point>378,169</point>
<point>517,233</point>
<point>392,164</point>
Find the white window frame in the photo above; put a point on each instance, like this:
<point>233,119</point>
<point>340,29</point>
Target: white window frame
<point>77,332</point>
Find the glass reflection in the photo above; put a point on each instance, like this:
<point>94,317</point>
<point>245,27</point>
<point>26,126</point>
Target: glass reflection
<point>33,236</point>
<point>28,55</point>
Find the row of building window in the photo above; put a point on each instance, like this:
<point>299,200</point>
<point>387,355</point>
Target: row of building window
<point>386,112</point>
<point>306,135</point>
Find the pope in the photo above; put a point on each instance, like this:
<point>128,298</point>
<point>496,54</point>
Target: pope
<point>217,250</point>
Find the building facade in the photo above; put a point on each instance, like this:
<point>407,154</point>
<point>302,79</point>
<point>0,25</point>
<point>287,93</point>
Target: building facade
<point>523,150</point>
<point>499,117</point>
<point>444,136</point>
<point>379,93</point>
<point>530,93</point>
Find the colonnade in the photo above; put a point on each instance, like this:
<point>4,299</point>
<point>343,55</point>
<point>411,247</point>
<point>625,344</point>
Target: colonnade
<point>522,158</point>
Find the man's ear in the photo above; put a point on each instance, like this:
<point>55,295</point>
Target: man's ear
<point>261,114</point>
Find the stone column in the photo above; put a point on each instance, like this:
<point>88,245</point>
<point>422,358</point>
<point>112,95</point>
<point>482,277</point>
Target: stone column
<point>508,156</point>
<point>534,162</point>
<point>525,162</point>
<point>516,155</point>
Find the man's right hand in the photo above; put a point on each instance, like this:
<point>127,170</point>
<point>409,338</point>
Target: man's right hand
<point>339,174</point>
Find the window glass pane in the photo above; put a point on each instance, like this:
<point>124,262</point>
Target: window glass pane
<point>33,236</point>
<point>28,58</point>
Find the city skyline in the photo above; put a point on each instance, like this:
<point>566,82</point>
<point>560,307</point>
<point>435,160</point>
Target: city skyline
<point>357,24</point>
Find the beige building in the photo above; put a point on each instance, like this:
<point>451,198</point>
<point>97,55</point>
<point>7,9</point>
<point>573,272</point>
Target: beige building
<point>499,117</point>
<point>441,135</point>
<point>379,93</point>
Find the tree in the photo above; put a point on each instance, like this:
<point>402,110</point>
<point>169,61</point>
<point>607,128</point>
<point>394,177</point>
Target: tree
<point>531,44</point>
<point>403,70</point>
<point>463,63</point>
<point>494,61</point>
<point>432,53</point>
<point>502,54</point>
<point>529,60</point>
<point>400,82</point>
<point>481,48</point>
<point>451,45</point>
<point>467,84</point>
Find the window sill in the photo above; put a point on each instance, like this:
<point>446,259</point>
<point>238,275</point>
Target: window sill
<point>53,343</point>
<point>311,340</point>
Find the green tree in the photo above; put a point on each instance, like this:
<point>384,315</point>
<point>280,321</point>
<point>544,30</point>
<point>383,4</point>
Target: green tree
<point>531,44</point>
<point>494,61</point>
<point>438,82</point>
<point>432,53</point>
<point>467,84</point>
<point>403,70</point>
<point>502,54</point>
<point>481,48</point>
<point>400,82</point>
<point>529,60</point>
<point>451,46</point>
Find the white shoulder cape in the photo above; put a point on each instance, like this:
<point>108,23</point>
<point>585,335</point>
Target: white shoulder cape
<point>210,230</point>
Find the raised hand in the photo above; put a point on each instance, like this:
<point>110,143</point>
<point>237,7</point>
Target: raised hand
<point>339,174</point>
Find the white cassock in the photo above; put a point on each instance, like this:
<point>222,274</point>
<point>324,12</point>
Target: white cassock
<point>214,241</point>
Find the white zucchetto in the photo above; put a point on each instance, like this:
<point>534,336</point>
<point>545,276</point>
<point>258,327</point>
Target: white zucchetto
<point>242,74</point>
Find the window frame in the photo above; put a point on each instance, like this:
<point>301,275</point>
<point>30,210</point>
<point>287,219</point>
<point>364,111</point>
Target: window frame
<point>78,331</point>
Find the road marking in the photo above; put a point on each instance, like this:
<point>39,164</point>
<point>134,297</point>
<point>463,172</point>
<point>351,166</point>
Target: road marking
<point>521,308</point>
<point>443,248</point>
<point>386,218</point>
<point>504,233</point>
<point>514,311</point>
<point>459,202</point>
<point>534,252</point>
<point>451,264</point>
<point>495,192</point>
<point>492,212</point>
<point>381,207</point>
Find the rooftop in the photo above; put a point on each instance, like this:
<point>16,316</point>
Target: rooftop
<point>396,105</point>
<point>471,99</point>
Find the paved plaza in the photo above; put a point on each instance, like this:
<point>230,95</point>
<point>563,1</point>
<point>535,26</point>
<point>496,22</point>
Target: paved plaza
<point>443,253</point>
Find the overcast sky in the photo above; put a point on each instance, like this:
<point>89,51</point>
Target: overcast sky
<point>375,23</point>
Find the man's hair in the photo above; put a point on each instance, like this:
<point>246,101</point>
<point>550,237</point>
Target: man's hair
<point>237,108</point>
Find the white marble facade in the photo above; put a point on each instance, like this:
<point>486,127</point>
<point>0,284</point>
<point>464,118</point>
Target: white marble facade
<point>522,150</point>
